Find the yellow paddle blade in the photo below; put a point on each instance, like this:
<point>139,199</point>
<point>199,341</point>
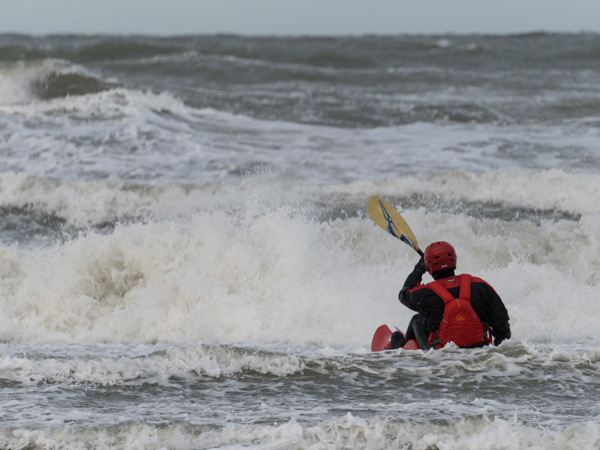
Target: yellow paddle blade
<point>386,216</point>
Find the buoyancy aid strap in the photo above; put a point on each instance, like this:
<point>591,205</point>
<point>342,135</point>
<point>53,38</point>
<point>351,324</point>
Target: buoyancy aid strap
<point>465,287</point>
<point>440,290</point>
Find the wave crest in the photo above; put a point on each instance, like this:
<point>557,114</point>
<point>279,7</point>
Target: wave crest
<point>27,81</point>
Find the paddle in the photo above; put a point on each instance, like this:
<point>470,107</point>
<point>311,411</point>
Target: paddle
<point>386,216</point>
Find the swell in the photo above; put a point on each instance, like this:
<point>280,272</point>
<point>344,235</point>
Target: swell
<point>57,84</point>
<point>45,79</point>
<point>367,81</point>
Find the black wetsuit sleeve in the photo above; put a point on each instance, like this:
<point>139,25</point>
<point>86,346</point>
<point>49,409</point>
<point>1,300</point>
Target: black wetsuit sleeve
<point>491,310</point>
<point>501,333</point>
<point>498,319</point>
<point>412,281</point>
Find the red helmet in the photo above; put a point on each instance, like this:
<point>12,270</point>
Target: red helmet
<point>439,256</point>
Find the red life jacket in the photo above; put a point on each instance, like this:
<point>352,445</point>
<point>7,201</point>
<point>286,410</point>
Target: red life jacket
<point>460,323</point>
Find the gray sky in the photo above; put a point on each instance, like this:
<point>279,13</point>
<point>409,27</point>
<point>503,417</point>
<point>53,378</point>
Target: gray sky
<point>294,17</point>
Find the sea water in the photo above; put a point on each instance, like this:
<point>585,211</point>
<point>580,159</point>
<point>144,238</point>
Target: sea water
<point>186,260</point>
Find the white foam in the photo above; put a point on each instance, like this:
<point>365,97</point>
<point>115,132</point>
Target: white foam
<point>16,82</point>
<point>261,272</point>
<point>346,431</point>
<point>552,189</point>
<point>142,135</point>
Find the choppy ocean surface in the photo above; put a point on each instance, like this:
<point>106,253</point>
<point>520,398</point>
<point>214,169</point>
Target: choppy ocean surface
<point>186,260</point>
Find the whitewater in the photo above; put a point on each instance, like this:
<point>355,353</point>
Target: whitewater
<point>186,260</point>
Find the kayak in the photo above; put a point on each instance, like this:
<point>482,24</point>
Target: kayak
<point>382,340</point>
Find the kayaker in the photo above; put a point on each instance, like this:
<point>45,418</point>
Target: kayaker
<point>454,308</point>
